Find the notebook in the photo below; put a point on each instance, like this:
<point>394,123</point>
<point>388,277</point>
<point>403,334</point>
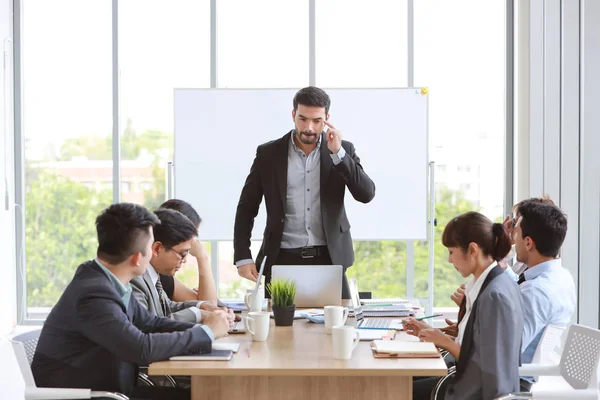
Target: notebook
<point>376,334</point>
<point>214,355</point>
<point>235,347</point>
<point>405,349</point>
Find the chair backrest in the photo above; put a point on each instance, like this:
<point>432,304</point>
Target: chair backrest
<point>580,357</point>
<point>30,341</point>
<point>549,348</point>
<point>12,383</point>
<point>23,363</point>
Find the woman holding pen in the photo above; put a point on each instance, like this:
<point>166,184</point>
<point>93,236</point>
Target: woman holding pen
<point>488,345</point>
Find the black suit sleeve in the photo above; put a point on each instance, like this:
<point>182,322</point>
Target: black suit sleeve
<point>358,182</point>
<point>101,318</point>
<point>247,209</point>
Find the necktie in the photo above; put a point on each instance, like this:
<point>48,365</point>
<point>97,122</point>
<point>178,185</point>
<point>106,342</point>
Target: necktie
<point>521,278</point>
<point>159,289</point>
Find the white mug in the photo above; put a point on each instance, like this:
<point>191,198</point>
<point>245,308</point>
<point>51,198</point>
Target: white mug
<point>255,303</point>
<point>257,323</point>
<point>345,339</point>
<point>334,315</point>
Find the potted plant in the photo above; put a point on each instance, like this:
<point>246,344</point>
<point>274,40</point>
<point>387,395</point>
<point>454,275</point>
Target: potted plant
<point>282,293</point>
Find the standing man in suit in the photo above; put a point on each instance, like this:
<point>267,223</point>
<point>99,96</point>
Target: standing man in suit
<point>97,334</point>
<point>303,177</point>
<point>173,240</point>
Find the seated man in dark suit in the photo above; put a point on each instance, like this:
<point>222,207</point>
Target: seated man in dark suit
<point>97,334</point>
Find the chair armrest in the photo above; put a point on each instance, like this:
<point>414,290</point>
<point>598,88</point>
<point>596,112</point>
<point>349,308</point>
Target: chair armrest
<point>515,396</point>
<point>35,393</point>
<point>539,370</point>
<point>109,395</point>
<point>584,394</point>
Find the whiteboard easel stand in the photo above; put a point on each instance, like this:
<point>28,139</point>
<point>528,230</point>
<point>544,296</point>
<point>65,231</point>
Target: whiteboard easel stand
<point>432,225</point>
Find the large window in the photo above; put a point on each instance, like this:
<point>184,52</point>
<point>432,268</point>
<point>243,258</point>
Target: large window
<point>460,55</point>
<point>67,118</point>
<point>262,44</point>
<point>162,46</point>
<point>361,43</point>
<point>67,125</point>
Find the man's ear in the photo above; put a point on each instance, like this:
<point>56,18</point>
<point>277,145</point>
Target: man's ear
<point>294,115</point>
<point>156,248</point>
<point>327,117</point>
<point>529,244</point>
<point>136,259</point>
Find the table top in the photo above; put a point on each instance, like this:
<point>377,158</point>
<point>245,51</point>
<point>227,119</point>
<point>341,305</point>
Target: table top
<point>303,349</point>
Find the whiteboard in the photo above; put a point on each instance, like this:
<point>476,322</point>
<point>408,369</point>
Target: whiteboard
<point>217,132</point>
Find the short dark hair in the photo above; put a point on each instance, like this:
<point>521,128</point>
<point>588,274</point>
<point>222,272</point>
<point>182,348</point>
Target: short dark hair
<point>544,199</point>
<point>312,96</point>
<point>174,228</point>
<point>123,230</point>
<point>473,227</point>
<point>183,207</point>
<point>545,224</point>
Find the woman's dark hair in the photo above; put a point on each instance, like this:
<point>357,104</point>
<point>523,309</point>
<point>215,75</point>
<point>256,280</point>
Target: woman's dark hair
<point>183,207</point>
<point>473,227</point>
<point>123,230</point>
<point>312,96</point>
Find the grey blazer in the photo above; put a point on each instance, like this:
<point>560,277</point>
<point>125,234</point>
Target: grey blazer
<point>145,292</point>
<point>488,366</point>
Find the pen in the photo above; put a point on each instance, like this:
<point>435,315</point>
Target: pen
<point>422,318</point>
<point>380,305</point>
<point>248,351</point>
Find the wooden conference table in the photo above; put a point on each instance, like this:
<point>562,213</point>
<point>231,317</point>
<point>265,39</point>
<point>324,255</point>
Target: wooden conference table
<point>297,362</point>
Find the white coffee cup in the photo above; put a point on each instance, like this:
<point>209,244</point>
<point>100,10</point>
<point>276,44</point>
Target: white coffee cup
<point>255,303</point>
<point>345,339</point>
<point>257,323</point>
<point>335,315</point>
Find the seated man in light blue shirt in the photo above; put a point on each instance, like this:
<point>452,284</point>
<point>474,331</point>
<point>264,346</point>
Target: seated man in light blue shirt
<point>547,288</point>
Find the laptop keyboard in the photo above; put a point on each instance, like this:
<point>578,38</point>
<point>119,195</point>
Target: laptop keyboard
<point>376,323</point>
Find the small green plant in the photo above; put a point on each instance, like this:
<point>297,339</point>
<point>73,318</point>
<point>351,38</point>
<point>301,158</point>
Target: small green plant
<point>282,292</point>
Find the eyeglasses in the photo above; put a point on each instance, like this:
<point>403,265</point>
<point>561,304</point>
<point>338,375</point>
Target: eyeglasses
<point>182,255</point>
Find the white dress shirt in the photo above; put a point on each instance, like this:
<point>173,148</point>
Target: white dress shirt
<point>471,292</point>
<point>196,310</point>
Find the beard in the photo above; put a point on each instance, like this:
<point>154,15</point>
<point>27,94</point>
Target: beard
<point>306,137</point>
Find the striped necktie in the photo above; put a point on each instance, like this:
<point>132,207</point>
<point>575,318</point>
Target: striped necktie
<point>521,278</point>
<point>159,289</point>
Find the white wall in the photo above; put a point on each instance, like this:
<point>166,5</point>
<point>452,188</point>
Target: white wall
<point>8,296</point>
<point>558,93</point>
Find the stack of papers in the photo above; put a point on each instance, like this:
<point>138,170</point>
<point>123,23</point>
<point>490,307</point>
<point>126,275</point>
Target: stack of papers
<point>395,348</point>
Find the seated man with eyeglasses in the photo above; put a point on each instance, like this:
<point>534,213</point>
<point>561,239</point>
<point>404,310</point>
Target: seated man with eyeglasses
<point>173,239</point>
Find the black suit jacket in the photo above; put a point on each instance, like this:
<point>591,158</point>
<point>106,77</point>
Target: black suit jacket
<point>268,178</point>
<point>91,341</point>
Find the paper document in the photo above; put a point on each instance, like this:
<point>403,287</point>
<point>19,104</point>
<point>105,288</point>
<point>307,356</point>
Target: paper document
<point>400,347</point>
<point>235,347</point>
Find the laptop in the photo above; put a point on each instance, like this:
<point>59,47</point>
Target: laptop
<point>369,323</point>
<point>317,286</point>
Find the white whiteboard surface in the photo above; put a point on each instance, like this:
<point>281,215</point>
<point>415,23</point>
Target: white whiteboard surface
<point>217,132</point>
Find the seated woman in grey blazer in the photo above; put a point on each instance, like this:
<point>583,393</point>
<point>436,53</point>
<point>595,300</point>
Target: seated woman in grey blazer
<point>488,346</point>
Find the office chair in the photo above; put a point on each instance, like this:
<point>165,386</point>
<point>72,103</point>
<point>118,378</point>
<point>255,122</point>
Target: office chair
<point>544,354</point>
<point>30,340</point>
<point>22,384</point>
<point>576,376</point>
